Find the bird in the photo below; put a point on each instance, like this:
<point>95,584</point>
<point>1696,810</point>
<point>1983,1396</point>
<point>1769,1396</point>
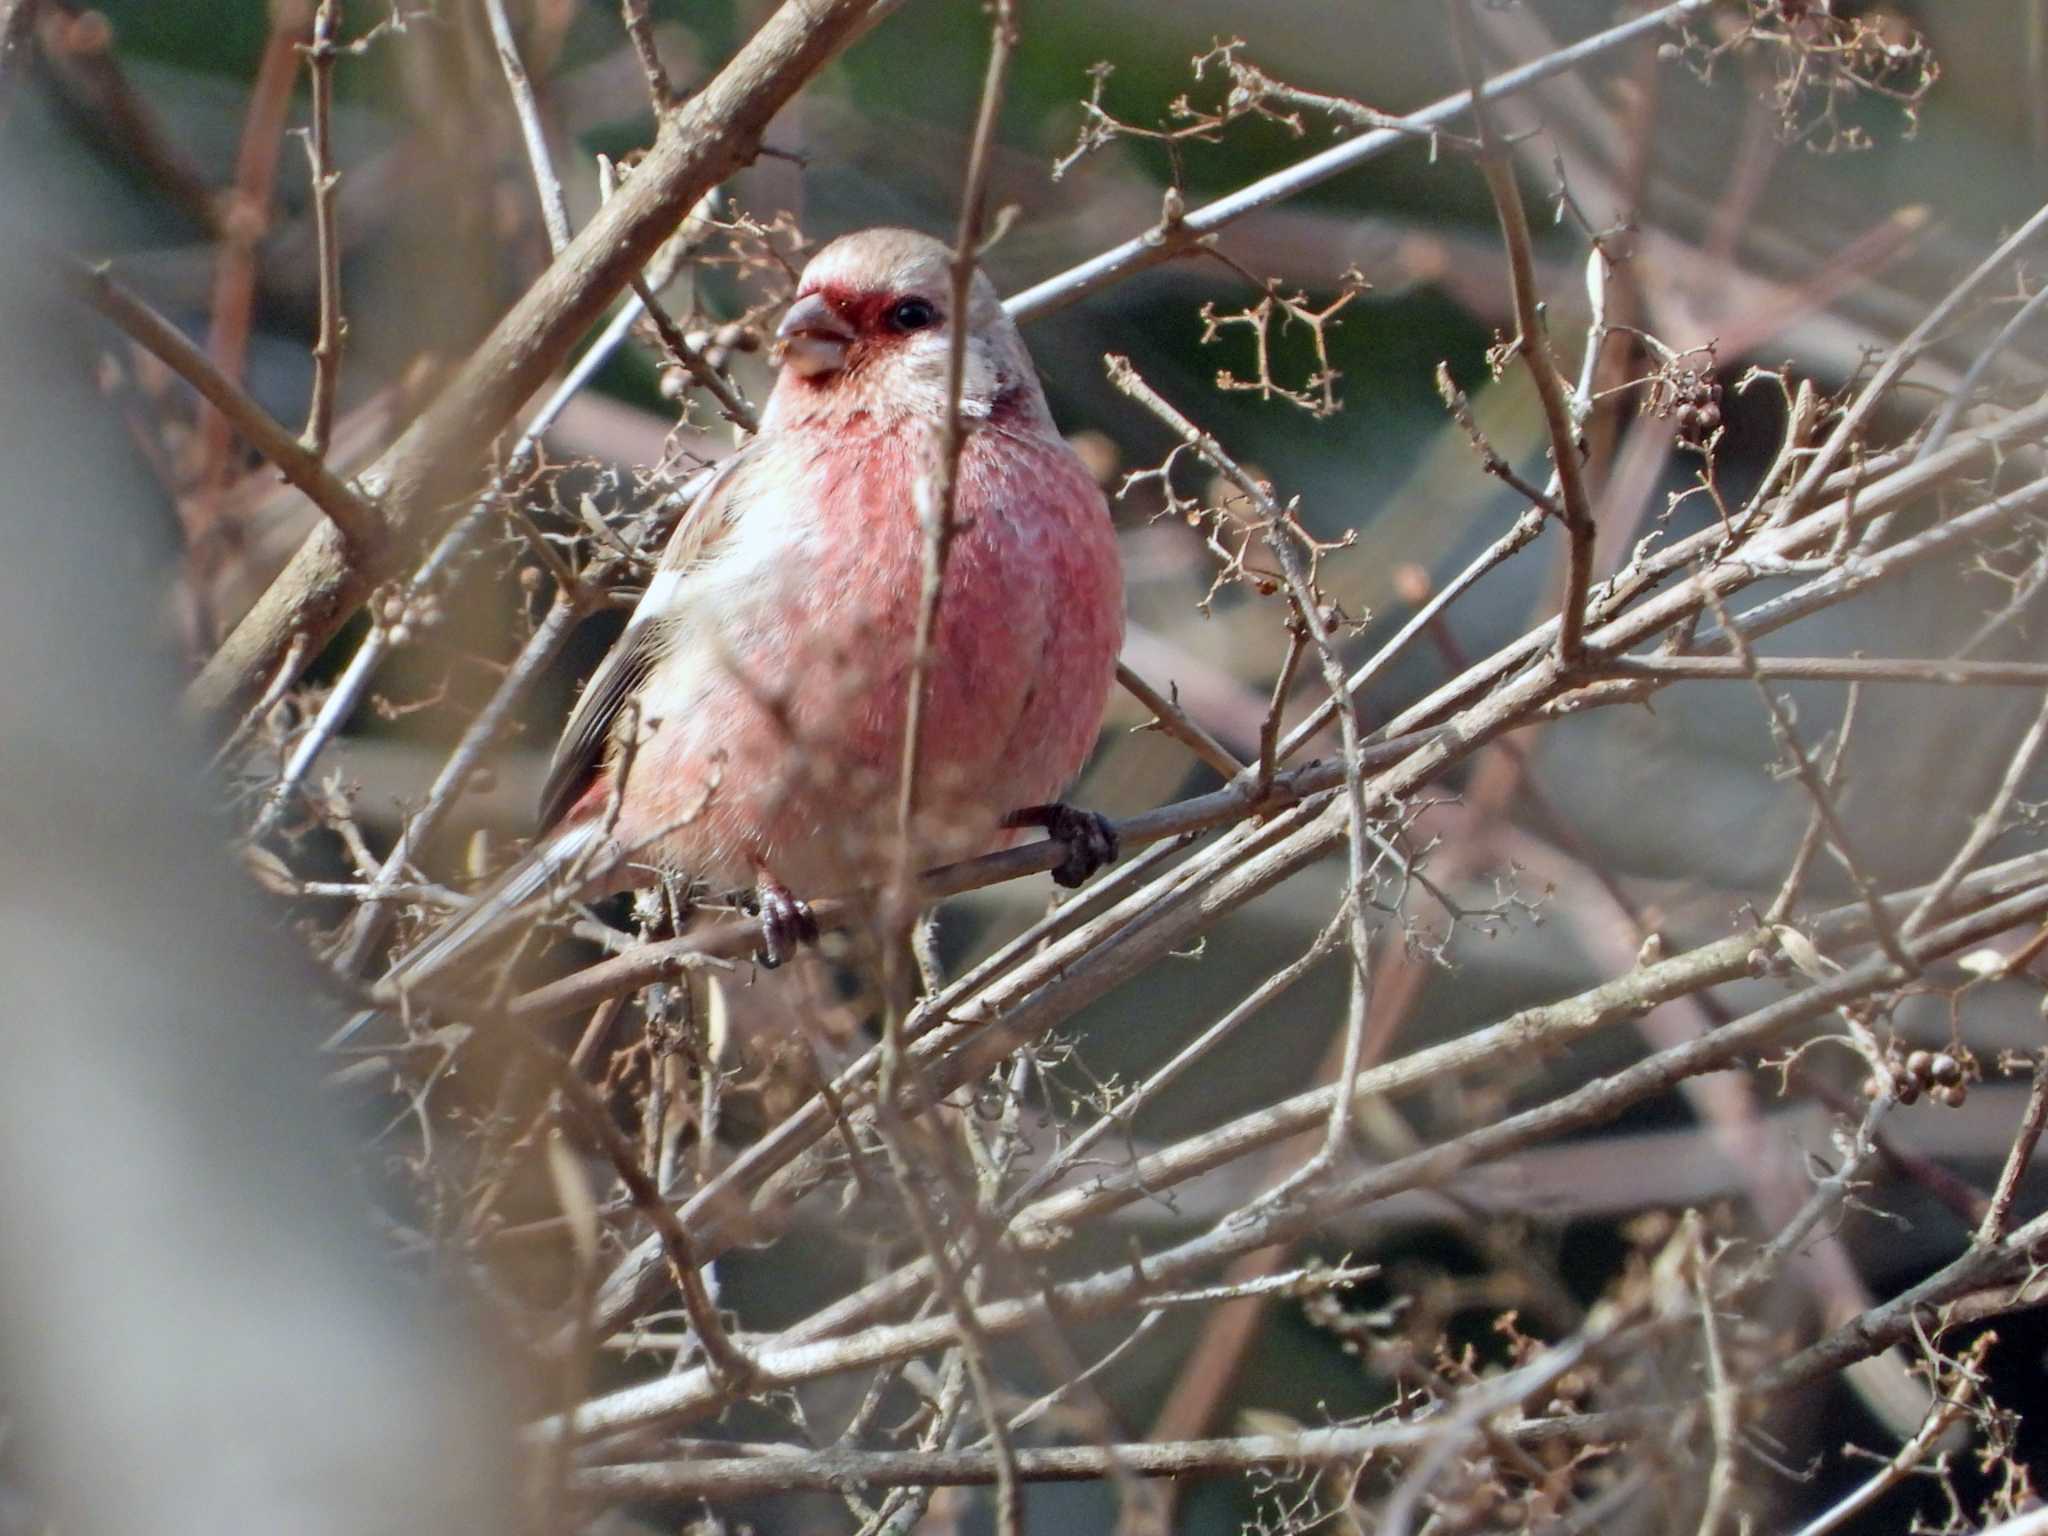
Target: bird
<point>747,729</point>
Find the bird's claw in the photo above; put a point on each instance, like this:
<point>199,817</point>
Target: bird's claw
<point>785,923</point>
<point>1090,838</point>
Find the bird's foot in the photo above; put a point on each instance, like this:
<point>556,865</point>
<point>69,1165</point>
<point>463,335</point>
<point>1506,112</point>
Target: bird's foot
<point>785,922</point>
<point>1090,838</point>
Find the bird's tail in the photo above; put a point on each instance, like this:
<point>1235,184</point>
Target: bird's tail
<point>493,910</point>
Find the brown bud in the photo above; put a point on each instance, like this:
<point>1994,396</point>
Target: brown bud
<point>1953,1095</point>
<point>1920,1064</point>
<point>1905,1090</point>
<point>1945,1069</point>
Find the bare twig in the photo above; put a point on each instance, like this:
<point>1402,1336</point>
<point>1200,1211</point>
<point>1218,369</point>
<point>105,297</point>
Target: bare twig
<point>725,1359</point>
<point>355,518</point>
<point>1999,1216</point>
<point>1989,822</point>
<point>1965,1386</point>
<point>833,1469</point>
<point>1851,425</point>
<point>1177,723</point>
<point>641,30</point>
<point>939,490</point>
<point>327,345</point>
<point>1832,669</point>
<point>1814,781</point>
<point>730,403</point>
<point>533,132</point>
<point>1532,344</point>
<point>1831,778</point>
<point>1189,231</point>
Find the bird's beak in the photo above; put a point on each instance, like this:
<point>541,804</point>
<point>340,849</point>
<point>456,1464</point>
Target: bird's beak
<point>813,337</point>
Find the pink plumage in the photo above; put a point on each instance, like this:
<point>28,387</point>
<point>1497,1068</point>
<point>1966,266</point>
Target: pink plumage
<point>750,724</point>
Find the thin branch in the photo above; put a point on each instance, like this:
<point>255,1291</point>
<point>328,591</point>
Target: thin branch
<point>1879,485</point>
<point>554,215</point>
<point>730,403</point>
<point>320,54</point>
<point>235,271</point>
<point>1934,323</point>
<point>1810,840</point>
<point>1966,386</point>
<point>1178,724</point>
<point>1830,669</point>
<point>1532,345</point>
<point>1191,231</point>
<point>737,1372</point>
<point>1498,553</point>
<point>1723,1397</point>
<point>1816,786</point>
<point>773,1472</point>
<point>1905,1315</point>
<point>534,659</point>
<point>77,50</point>
<point>641,30</point>
<point>1966,1380</point>
<point>355,518</point>
<point>1988,822</point>
<point>1999,1216</point>
<point>938,491</point>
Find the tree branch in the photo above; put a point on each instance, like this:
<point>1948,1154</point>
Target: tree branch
<point>434,462</point>
<point>353,522</point>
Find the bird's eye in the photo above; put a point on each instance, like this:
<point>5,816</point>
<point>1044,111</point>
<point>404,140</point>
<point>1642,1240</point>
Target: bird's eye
<point>912,315</point>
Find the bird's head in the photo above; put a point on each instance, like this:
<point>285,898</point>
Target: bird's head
<point>871,326</point>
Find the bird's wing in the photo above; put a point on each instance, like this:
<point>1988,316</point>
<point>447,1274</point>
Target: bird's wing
<point>579,754</point>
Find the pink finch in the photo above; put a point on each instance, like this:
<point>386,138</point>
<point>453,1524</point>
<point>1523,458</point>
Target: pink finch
<point>749,726</point>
